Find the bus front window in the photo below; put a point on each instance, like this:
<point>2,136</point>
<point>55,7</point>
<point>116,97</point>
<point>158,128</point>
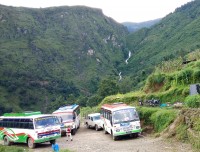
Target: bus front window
<point>96,117</point>
<point>45,121</point>
<point>125,115</point>
<point>67,117</point>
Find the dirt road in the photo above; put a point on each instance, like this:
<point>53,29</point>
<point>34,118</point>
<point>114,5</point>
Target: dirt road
<point>89,140</point>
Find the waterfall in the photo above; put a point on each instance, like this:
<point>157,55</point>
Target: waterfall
<point>126,61</point>
<point>129,55</point>
<point>120,76</point>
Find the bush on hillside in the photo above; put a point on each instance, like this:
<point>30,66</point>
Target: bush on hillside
<point>196,76</point>
<point>145,113</point>
<point>162,119</point>
<point>193,101</point>
<point>184,77</point>
<point>154,82</point>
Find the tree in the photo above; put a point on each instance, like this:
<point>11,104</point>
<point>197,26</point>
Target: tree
<point>108,87</point>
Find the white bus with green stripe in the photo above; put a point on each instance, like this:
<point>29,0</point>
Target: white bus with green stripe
<point>29,127</point>
<point>119,119</point>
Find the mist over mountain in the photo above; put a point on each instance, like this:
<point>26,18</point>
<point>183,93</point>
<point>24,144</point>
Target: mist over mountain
<point>133,27</point>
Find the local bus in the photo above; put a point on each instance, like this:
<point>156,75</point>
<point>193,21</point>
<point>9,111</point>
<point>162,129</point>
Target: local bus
<point>29,127</point>
<point>120,119</point>
<point>69,116</point>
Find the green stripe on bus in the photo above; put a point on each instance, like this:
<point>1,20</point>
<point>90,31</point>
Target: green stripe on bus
<point>125,133</point>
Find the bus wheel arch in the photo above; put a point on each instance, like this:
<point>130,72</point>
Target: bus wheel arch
<point>31,143</point>
<point>6,141</point>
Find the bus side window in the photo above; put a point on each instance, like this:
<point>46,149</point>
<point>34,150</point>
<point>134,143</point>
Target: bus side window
<point>74,115</point>
<point>30,126</point>
<point>16,123</point>
<point>5,123</point>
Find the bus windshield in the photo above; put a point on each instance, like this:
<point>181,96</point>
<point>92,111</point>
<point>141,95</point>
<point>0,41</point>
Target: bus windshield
<point>43,122</point>
<point>125,115</point>
<point>96,117</point>
<point>67,117</point>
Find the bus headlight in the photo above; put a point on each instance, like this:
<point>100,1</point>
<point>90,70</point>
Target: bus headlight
<point>39,136</point>
<point>117,130</point>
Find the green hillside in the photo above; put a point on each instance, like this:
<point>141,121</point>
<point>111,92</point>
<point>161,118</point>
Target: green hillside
<point>178,113</point>
<point>175,35</point>
<point>54,55</point>
<point>61,55</point>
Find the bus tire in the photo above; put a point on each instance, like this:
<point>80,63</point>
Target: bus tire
<point>136,135</point>
<point>113,137</point>
<point>52,141</point>
<point>31,143</point>
<point>6,141</point>
<point>73,131</point>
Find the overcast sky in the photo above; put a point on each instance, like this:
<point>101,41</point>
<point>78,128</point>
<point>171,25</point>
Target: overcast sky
<point>119,10</point>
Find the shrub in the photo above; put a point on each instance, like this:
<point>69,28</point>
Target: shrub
<point>145,114</point>
<point>196,76</point>
<point>184,77</point>
<point>192,101</point>
<point>185,91</point>
<point>162,119</point>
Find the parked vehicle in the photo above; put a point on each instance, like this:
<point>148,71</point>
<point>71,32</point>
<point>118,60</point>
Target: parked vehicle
<point>93,121</point>
<point>120,119</point>
<point>69,116</point>
<point>29,127</point>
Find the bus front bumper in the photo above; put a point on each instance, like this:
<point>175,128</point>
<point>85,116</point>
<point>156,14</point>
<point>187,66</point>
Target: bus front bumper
<point>46,139</point>
<point>121,133</point>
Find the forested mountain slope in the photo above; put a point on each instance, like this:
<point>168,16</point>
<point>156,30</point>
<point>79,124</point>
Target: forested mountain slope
<point>175,35</point>
<point>55,55</point>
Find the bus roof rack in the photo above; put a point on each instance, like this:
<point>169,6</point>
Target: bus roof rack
<point>26,113</point>
<point>68,107</point>
<point>116,103</point>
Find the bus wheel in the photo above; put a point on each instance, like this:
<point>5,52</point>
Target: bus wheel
<point>114,137</point>
<point>6,141</point>
<point>96,128</point>
<point>31,143</point>
<point>136,135</point>
<point>52,141</point>
<point>74,131</point>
